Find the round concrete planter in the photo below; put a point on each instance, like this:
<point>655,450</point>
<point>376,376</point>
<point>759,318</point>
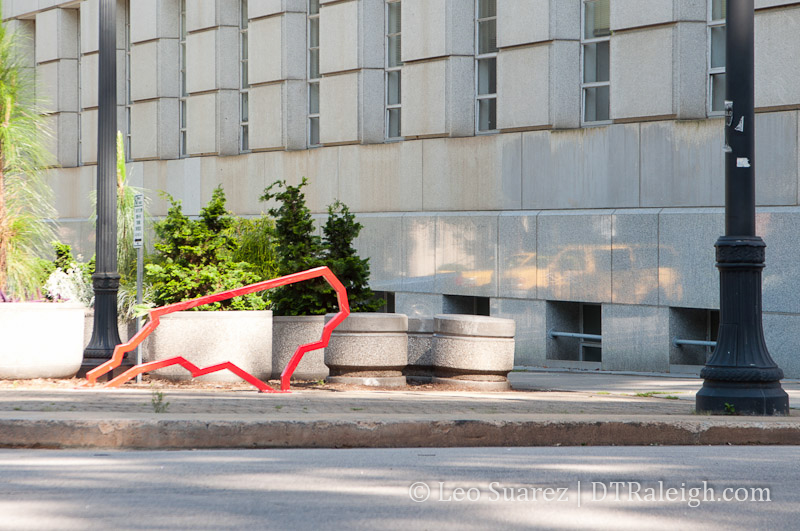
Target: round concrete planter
<point>369,349</point>
<point>420,350</point>
<point>473,351</point>
<point>207,338</point>
<point>288,333</point>
<point>40,340</point>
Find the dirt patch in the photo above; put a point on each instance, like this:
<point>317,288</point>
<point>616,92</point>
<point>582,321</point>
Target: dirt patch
<point>150,382</point>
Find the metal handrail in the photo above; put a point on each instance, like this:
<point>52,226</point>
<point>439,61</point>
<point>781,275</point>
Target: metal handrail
<point>678,342</point>
<point>552,334</point>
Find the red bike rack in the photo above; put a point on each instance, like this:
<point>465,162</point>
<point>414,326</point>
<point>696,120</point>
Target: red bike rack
<point>155,314</point>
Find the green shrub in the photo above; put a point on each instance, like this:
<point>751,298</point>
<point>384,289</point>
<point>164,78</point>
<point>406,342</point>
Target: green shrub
<point>256,245</point>
<point>196,258</point>
<point>340,230</point>
<point>299,249</point>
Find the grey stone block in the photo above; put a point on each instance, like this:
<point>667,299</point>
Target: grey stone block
<point>209,338</point>
<point>473,348</point>
<point>420,349</point>
<point>782,335</point>
<point>689,78</point>
<point>635,338</point>
<point>476,173</point>
<point>155,19</point>
<point>289,332</point>
<point>574,256</point>
<point>776,46</point>
<point>596,167</point>
<point>57,34</point>
<point>465,265</point>
<point>641,73</point>
<point>634,257</point>
<point>517,254</point>
<point>781,276</point>
<point>682,164</point>
<point>686,257</point>
<point>436,28</point>
<point>382,177</point>
<point>377,242</point>
<point>418,242</point>
<point>530,338</point>
<point>776,158</point>
<point>371,345</point>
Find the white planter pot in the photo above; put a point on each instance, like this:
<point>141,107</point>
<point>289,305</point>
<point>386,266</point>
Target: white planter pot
<point>40,340</point>
<point>288,333</point>
<point>243,338</point>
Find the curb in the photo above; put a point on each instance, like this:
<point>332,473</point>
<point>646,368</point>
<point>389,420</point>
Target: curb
<point>195,434</point>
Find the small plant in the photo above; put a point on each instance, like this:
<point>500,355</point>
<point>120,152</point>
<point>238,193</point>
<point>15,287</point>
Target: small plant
<point>341,230</point>
<point>671,397</point>
<point>196,258</point>
<point>68,279</point>
<point>299,249</point>
<point>646,394</point>
<point>25,197</point>
<point>730,409</point>
<point>157,401</point>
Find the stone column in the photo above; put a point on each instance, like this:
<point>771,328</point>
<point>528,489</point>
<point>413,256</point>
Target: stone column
<point>351,65</point>
<point>212,77</point>
<point>438,53</point>
<point>155,79</point>
<point>535,42</point>
<point>277,74</point>
<point>57,72</point>
<point>658,64</point>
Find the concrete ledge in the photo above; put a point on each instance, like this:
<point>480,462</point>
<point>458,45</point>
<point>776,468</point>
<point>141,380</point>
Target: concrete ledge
<point>186,434</point>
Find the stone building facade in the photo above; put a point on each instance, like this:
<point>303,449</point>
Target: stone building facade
<point>555,161</point>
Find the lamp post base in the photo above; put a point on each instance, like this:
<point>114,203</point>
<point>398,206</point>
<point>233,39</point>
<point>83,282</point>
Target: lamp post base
<point>741,378</point>
<point>742,398</point>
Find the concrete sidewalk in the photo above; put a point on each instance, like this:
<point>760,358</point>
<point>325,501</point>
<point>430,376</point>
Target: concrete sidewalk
<point>545,408</point>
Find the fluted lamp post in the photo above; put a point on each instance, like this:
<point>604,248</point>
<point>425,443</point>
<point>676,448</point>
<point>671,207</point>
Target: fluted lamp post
<point>740,377</point>
<point>105,280</point>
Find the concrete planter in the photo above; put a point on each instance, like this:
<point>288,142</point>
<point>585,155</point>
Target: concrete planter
<point>126,328</point>
<point>40,340</point>
<point>288,333</point>
<point>369,349</point>
<point>420,350</point>
<point>473,351</point>
<point>207,338</point>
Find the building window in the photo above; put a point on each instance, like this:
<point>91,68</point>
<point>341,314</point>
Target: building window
<point>184,94</point>
<point>128,96</point>
<point>486,65</point>
<point>313,72</point>
<point>716,56</point>
<point>393,68</point>
<point>244,84</point>
<point>595,58</point>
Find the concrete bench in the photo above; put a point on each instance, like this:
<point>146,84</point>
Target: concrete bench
<point>473,351</point>
<point>369,349</point>
<point>420,350</point>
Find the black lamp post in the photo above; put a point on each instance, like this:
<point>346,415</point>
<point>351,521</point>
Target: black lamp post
<point>105,335</point>
<point>740,377</point>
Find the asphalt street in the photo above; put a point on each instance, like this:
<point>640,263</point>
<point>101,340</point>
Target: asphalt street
<point>457,488</point>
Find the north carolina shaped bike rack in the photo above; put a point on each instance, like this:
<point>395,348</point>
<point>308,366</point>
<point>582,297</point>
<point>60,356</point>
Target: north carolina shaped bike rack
<point>155,314</point>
